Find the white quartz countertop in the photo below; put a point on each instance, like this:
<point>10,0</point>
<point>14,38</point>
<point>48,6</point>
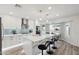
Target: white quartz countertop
<point>14,40</point>
<point>35,38</point>
<point>31,37</point>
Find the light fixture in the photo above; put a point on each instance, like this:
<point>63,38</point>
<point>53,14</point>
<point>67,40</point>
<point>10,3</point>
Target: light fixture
<point>27,17</point>
<point>40,18</point>
<point>49,8</point>
<point>57,14</point>
<point>46,20</point>
<point>11,13</point>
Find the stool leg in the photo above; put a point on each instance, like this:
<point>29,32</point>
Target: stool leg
<point>49,47</point>
<point>50,52</point>
<point>42,52</point>
<point>54,47</point>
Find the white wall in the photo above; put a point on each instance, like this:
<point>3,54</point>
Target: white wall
<point>74,37</point>
<point>74,31</point>
<point>11,21</point>
<point>62,31</point>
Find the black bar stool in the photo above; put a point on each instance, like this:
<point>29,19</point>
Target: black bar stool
<point>42,47</point>
<point>54,40</point>
<point>50,51</point>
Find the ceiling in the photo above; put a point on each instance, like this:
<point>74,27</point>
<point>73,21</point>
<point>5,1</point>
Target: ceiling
<point>32,11</point>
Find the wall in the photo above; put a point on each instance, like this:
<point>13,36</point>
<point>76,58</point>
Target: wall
<point>74,31</point>
<point>0,37</point>
<point>74,37</point>
<point>10,23</point>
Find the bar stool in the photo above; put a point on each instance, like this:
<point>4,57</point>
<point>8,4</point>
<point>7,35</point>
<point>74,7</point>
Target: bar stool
<point>42,47</point>
<point>54,40</point>
<point>50,51</point>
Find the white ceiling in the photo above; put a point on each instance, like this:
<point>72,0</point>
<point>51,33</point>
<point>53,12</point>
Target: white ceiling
<point>32,11</point>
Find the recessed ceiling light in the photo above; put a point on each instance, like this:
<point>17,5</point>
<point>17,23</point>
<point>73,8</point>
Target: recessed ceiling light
<point>22,16</point>
<point>11,13</point>
<point>27,17</point>
<point>49,8</point>
<point>40,18</point>
<point>47,21</point>
<point>57,14</point>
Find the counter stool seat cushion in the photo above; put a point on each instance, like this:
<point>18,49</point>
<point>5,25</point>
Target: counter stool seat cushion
<point>42,47</point>
<point>51,42</point>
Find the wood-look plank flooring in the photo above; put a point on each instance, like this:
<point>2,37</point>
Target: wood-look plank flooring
<point>66,49</point>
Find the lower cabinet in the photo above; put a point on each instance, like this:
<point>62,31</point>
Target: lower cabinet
<point>14,51</point>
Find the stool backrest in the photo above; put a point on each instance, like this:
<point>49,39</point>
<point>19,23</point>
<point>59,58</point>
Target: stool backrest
<point>47,43</point>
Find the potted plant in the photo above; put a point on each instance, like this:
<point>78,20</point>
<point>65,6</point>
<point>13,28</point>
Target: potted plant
<point>13,31</point>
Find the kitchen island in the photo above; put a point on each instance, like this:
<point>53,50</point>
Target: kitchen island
<point>27,42</point>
